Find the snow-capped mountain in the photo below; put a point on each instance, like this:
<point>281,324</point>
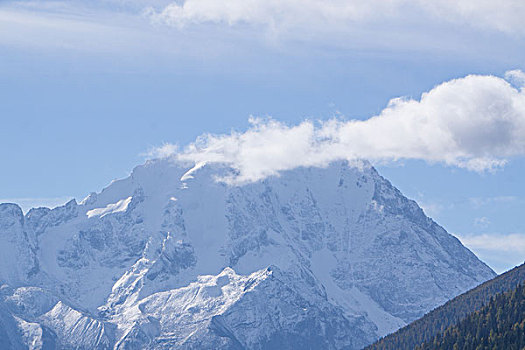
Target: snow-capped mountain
<point>170,257</point>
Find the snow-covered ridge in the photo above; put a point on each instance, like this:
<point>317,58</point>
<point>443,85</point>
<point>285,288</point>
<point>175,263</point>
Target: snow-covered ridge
<point>170,257</point>
<point>117,207</point>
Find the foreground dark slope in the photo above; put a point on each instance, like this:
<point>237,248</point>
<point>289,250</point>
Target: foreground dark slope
<point>498,325</point>
<point>449,314</point>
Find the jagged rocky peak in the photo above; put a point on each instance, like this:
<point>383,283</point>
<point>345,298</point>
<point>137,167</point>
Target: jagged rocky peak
<point>11,215</point>
<point>172,256</point>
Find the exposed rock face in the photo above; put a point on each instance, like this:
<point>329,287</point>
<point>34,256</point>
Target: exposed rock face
<point>169,257</point>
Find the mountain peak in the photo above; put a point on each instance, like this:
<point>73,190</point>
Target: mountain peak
<point>338,242</point>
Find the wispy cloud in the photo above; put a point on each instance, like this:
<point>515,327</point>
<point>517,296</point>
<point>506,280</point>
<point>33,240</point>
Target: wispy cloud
<point>344,15</point>
<point>505,243</point>
<point>498,250</point>
<point>103,27</point>
<point>516,77</point>
<point>189,27</point>
<point>482,222</point>
<point>60,25</point>
<point>166,150</point>
<point>431,209</point>
<point>479,202</point>
<point>475,122</point>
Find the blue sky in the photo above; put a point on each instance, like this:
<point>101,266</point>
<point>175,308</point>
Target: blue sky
<point>88,89</point>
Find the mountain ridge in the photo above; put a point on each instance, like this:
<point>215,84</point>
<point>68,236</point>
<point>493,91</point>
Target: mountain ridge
<point>341,236</point>
<point>452,312</point>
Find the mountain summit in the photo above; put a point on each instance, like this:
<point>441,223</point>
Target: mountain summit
<point>171,256</point>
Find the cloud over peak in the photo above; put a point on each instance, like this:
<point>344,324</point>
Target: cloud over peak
<point>476,122</point>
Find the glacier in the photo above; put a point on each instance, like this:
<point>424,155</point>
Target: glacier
<point>171,257</point>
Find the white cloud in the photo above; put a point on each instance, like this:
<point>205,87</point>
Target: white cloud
<point>501,252</point>
<point>107,28</point>
<point>516,77</point>
<point>475,122</point>
<point>504,15</point>
<point>482,222</point>
<point>210,28</point>
<point>506,243</point>
<point>431,209</point>
<point>60,25</point>
<point>479,202</point>
<point>163,151</point>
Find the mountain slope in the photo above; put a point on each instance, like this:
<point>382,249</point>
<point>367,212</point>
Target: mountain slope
<point>449,314</point>
<point>498,325</point>
<point>351,260</point>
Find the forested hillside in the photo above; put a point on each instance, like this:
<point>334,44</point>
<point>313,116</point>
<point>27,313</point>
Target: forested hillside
<point>498,325</point>
<point>449,314</point>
